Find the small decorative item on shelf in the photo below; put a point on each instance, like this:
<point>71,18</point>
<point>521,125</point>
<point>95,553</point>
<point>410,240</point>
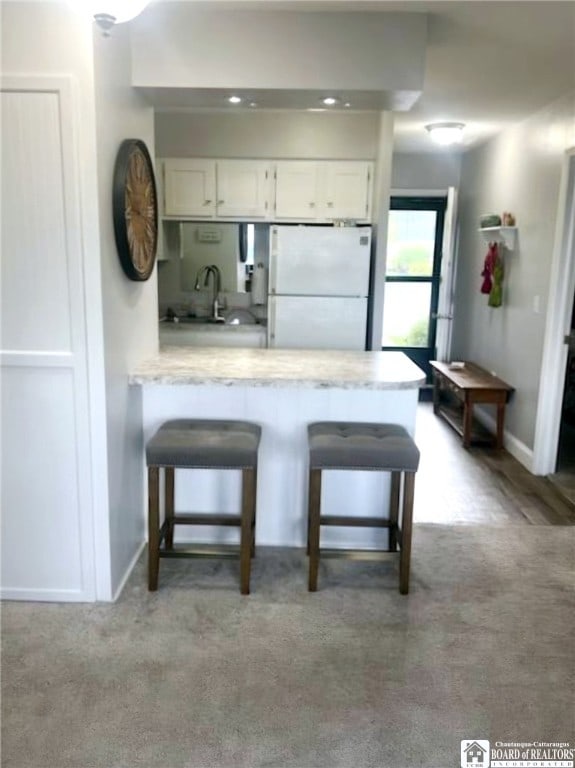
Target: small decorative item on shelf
<point>508,219</point>
<point>490,220</point>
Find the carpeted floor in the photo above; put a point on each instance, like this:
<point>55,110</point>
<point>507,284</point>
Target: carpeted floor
<point>355,675</point>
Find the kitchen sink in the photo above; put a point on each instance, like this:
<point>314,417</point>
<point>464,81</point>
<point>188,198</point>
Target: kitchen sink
<point>232,317</point>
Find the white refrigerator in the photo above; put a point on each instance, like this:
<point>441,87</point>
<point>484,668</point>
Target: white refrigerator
<point>318,287</point>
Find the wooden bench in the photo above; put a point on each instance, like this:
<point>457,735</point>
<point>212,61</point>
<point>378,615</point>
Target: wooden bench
<point>470,384</point>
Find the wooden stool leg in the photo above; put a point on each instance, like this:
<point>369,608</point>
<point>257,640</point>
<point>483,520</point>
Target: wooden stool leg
<point>169,505</point>
<point>394,509</point>
<point>248,510</point>
<point>406,527</point>
<point>314,504</point>
<point>153,527</point>
<point>253,524</point>
<point>308,530</point>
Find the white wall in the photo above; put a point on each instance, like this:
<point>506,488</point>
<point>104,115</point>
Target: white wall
<point>59,43</point>
<point>426,170</point>
<point>287,135</point>
<point>517,171</point>
<point>130,308</point>
<point>182,46</point>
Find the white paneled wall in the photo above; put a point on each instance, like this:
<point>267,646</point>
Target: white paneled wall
<point>47,526</point>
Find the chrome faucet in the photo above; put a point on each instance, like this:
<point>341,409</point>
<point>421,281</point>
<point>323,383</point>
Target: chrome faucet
<point>213,270</point>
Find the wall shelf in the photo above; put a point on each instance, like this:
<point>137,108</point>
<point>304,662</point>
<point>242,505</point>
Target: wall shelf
<point>505,235</point>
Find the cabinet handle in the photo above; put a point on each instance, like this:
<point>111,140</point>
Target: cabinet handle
<point>330,205</point>
<point>312,205</point>
<point>221,202</point>
<point>207,202</point>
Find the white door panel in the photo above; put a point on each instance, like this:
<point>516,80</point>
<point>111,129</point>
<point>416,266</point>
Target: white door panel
<point>320,261</point>
<point>297,190</point>
<point>447,281</point>
<point>47,522</point>
<point>190,188</point>
<point>347,190</point>
<point>242,188</point>
<point>317,322</point>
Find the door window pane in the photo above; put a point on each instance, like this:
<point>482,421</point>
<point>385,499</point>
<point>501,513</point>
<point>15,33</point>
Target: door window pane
<point>406,312</point>
<point>410,243</point>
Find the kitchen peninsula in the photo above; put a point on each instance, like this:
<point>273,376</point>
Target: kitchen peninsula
<point>283,390</point>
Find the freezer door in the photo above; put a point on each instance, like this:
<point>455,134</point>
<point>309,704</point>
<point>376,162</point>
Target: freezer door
<point>320,261</point>
<point>316,322</point>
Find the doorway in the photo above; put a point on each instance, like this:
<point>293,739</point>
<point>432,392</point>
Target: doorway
<point>553,434</point>
<point>414,247</point>
<point>566,449</point>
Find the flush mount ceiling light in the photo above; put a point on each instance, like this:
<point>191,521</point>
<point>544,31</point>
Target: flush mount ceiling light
<point>446,133</point>
<point>329,101</point>
<point>106,13</point>
<point>234,100</point>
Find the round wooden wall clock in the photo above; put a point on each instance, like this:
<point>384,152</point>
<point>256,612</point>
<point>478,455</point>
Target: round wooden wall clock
<point>135,209</point>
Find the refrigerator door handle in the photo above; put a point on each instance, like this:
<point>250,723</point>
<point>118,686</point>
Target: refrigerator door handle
<point>273,257</point>
<point>271,323</point>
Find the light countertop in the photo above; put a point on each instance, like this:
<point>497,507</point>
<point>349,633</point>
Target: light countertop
<point>303,368</point>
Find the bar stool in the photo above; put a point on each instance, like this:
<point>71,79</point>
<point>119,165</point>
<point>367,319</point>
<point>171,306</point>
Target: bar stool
<point>201,444</point>
<point>363,446</point>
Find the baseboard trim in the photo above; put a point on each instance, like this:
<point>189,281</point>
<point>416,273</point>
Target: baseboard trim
<point>46,595</point>
<point>512,445</point>
<point>128,572</point>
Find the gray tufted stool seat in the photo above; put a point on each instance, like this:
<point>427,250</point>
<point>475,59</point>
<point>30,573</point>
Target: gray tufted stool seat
<point>363,446</point>
<point>201,444</point>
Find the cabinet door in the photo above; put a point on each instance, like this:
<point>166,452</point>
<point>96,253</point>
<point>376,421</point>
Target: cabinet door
<point>190,188</point>
<point>347,190</point>
<point>243,189</point>
<point>297,190</point>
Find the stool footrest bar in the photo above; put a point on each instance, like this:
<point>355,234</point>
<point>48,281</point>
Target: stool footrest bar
<point>351,521</point>
<point>207,518</point>
<point>359,554</point>
<point>196,551</point>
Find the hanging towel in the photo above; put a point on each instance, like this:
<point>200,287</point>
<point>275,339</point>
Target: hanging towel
<point>259,284</point>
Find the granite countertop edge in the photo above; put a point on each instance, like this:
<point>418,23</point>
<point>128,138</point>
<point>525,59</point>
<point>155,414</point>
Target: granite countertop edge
<point>293,369</point>
<point>148,380</point>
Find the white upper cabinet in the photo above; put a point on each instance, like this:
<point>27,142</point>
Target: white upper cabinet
<point>323,190</point>
<point>297,190</point>
<point>281,190</point>
<point>347,190</point>
<point>243,188</point>
<point>223,189</point>
<point>190,188</point>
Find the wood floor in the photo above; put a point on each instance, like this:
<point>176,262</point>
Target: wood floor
<point>479,486</point>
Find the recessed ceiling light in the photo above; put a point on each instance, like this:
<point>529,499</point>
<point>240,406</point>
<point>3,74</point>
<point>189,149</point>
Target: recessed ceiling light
<point>234,99</point>
<point>253,103</point>
<point>329,101</point>
<point>347,104</point>
<point>446,133</point>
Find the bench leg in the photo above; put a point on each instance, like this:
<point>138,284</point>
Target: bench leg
<point>436,393</point>
<point>406,528</point>
<point>314,504</point>
<point>500,423</point>
<point>467,422</point>
<point>246,536</point>
<point>153,527</point>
